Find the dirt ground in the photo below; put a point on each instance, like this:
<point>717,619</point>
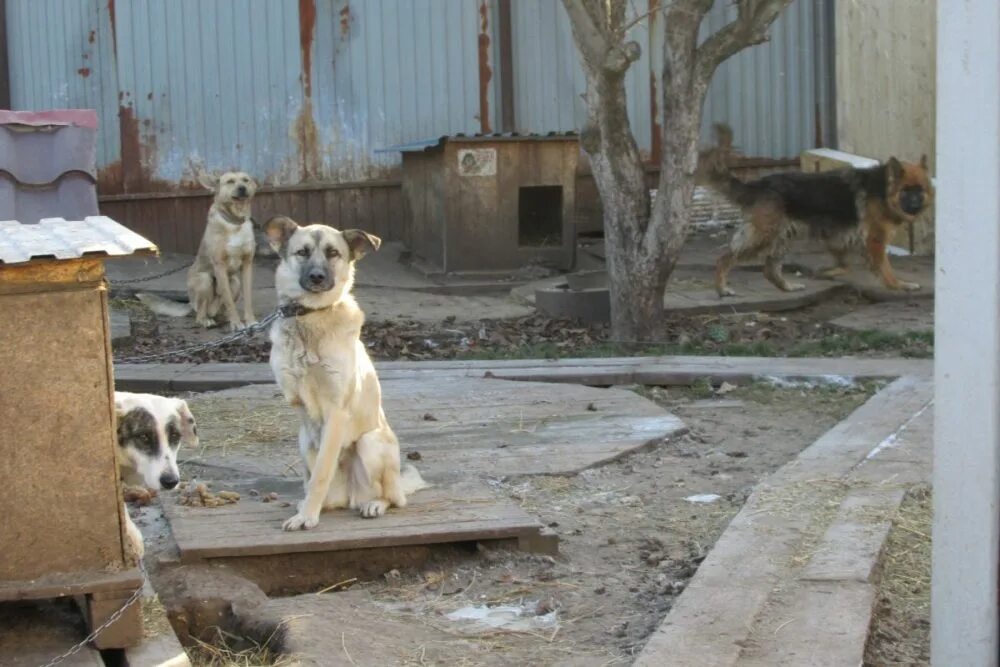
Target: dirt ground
<point>632,533</point>
<point>803,332</point>
<point>901,629</point>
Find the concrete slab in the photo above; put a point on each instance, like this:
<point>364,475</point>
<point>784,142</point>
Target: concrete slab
<point>462,427</point>
<point>121,326</point>
<point>797,554</point>
<point>898,317</point>
<point>663,371</point>
<point>161,651</point>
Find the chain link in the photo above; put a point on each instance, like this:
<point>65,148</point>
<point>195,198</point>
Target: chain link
<point>152,277</point>
<point>136,594</point>
<point>247,332</point>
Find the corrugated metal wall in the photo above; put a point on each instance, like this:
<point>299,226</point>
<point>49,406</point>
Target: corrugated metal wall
<point>307,90</point>
<point>771,94</point>
<point>290,91</point>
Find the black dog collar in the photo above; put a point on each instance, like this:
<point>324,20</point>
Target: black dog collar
<point>296,309</point>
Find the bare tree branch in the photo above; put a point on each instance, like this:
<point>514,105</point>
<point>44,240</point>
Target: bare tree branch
<point>748,29</point>
<point>597,33</point>
<point>591,36</point>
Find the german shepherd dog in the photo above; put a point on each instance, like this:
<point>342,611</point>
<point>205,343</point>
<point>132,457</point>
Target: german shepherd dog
<point>842,207</point>
<point>350,452</point>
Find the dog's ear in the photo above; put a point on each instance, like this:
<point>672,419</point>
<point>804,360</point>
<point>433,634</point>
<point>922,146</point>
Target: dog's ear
<point>278,230</point>
<point>189,428</point>
<point>723,136</point>
<point>209,181</point>
<point>894,169</point>
<point>361,243</point>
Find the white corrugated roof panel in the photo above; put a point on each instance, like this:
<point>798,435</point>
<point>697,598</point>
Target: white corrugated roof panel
<point>94,236</point>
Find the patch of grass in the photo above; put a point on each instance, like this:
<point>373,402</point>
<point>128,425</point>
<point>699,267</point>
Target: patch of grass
<point>917,345</point>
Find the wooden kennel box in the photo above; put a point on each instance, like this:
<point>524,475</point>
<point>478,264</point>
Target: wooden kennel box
<point>491,203</point>
<point>61,508</point>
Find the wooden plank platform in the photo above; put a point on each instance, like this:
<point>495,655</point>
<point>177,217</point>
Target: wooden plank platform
<point>64,585</point>
<point>464,512</point>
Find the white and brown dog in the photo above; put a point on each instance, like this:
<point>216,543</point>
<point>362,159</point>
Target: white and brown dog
<point>151,430</point>
<point>350,452</point>
<point>223,268</point>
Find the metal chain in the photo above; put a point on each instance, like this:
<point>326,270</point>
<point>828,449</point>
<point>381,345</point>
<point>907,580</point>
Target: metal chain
<point>247,332</point>
<point>136,594</point>
<point>152,277</point>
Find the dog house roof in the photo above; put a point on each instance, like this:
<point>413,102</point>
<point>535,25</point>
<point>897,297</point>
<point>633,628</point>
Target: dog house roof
<point>56,238</point>
<point>438,142</point>
<point>48,164</point>
<point>48,173</point>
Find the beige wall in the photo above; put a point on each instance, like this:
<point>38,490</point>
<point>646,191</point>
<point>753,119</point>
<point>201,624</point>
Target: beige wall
<point>885,68</point>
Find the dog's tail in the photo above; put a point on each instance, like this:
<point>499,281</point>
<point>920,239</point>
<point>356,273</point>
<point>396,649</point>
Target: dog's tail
<point>163,306</point>
<point>714,169</point>
<point>410,480</point>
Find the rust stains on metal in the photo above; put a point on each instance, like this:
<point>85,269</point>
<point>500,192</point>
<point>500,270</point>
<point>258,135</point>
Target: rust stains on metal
<point>345,20</point>
<point>307,28</point>
<point>131,149</point>
<point>91,36</point>
<point>84,72</point>
<point>307,138</point>
<point>485,71</point>
<point>304,130</point>
<point>114,27</point>
<point>134,172</point>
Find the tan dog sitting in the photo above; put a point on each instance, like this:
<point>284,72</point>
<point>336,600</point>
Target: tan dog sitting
<point>350,452</point>
<point>223,268</point>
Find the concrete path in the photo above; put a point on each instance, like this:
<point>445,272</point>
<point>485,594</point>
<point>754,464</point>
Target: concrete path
<point>601,372</point>
<point>790,582</point>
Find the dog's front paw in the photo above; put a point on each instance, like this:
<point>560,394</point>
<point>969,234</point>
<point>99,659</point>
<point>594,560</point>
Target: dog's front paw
<point>235,325</point>
<point>206,322</point>
<point>300,522</point>
<point>794,287</point>
<point>726,291</point>
<point>907,286</point>
<point>373,508</point>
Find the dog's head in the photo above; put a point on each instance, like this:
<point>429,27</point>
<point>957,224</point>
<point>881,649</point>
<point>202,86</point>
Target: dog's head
<point>909,191</point>
<point>151,430</point>
<point>233,188</point>
<point>317,261</point>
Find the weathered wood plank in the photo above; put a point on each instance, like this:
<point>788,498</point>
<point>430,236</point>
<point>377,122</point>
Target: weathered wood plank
<point>460,513</point>
<point>65,585</point>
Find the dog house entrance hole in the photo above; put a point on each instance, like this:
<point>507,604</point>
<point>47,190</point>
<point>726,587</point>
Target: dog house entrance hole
<point>539,215</point>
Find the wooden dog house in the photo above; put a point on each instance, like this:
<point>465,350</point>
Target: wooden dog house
<point>63,522</point>
<point>490,203</point>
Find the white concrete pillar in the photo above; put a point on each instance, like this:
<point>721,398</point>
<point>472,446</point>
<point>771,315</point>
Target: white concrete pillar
<point>964,623</point>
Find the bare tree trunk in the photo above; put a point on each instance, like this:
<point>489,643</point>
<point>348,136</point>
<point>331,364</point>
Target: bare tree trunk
<point>643,239</point>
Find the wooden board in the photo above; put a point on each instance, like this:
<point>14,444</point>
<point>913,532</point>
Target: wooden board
<point>465,512</point>
<point>63,585</point>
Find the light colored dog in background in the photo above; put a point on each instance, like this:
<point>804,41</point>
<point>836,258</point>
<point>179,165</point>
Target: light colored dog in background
<point>223,268</point>
<point>151,430</point>
<point>350,452</point>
